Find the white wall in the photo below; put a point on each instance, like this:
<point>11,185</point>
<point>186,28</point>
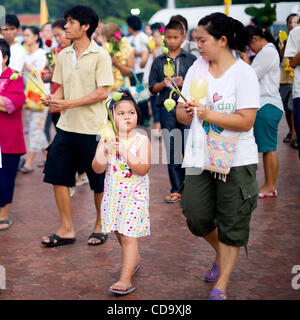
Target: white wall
<point>237,11</point>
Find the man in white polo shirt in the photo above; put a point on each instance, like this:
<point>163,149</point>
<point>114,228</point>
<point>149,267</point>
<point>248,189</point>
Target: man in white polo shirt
<point>292,51</point>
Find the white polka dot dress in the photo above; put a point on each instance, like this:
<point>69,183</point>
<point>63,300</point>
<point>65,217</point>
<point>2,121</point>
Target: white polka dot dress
<point>125,204</point>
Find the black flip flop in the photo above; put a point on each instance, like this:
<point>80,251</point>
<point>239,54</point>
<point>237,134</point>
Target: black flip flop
<point>294,144</point>
<point>59,241</point>
<point>99,236</point>
<point>288,137</point>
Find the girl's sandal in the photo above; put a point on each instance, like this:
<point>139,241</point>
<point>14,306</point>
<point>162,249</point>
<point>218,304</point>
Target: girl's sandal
<point>212,274</point>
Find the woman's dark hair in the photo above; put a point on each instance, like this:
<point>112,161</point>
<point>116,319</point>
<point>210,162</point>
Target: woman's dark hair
<point>180,19</point>
<point>262,33</point>
<point>36,31</point>
<point>5,50</point>
<point>174,25</point>
<point>219,24</point>
<point>85,15</point>
<point>134,23</point>
<point>12,20</point>
<point>59,23</point>
<point>126,97</point>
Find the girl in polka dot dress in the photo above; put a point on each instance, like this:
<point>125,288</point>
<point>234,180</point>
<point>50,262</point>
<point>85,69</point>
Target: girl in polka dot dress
<point>125,203</point>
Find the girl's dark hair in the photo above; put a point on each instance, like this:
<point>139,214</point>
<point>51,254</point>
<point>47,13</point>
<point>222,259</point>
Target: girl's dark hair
<point>219,24</point>
<point>5,50</point>
<point>59,23</point>
<point>126,97</point>
<point>262,33</point>
<point>36,31</point>
<point>85,15</point>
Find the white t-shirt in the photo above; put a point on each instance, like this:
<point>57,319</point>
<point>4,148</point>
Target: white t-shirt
<point>291,50</point>
<point>36,60</point>
<point>17,57</point>
<point>267,67</point>
<point>139,43</point>
<point>236,89</point>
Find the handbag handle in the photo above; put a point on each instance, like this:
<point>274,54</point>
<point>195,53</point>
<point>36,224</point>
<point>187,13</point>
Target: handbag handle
<point>135,77</point>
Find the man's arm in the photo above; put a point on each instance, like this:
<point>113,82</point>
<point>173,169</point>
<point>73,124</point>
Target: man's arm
<point>59,104</point>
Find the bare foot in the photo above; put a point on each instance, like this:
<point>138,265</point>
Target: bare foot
<point>121,285</point>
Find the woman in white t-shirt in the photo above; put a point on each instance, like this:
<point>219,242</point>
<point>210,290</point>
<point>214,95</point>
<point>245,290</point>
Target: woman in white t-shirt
<point>215,209</point>
<point>35,60</point>
<point>266,64</point>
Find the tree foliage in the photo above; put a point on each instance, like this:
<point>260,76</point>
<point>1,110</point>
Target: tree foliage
<point>265,15</point>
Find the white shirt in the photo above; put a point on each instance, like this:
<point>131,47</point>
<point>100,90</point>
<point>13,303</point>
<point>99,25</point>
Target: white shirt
<point>291,50</point>
<point>236,89</point>
<point>17,57</point>
<point>37,61</point>
<point>267,67</point>
<point>139,43</point>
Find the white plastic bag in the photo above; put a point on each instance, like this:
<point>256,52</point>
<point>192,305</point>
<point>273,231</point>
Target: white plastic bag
<point>195,154</point>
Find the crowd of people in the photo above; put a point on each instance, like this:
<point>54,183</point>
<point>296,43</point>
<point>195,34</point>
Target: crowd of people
<point>76,73</point>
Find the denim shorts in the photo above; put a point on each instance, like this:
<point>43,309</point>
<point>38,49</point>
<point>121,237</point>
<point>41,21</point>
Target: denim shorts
<point>209,203</point>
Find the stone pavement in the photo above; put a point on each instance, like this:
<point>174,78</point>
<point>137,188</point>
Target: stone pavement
<point>173,260</point>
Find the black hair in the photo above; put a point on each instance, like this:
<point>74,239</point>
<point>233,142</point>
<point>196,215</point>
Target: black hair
<point>134,23</point>
<point>174,25</point>
<point>126,97</point>
<point>291,15</point>
<point>219,24</point>
<point>59,23</point>
<point>262,33</point>
<point>85,15</point>
<point>254,21</point>
<point>5,50</point>
<point>156,26</point>
<point>12,20</point>
<point>180,19</point>
<point>36,31</point>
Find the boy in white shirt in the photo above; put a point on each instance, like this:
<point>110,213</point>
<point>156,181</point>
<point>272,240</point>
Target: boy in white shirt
<point>17,52</point>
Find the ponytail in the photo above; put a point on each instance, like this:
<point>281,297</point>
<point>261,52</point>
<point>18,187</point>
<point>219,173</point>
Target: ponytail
<point>262,33</point>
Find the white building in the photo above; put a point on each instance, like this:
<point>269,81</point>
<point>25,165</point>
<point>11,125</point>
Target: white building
<point>236,11</point>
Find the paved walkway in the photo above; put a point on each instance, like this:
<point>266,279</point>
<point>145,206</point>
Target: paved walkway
<point>173,260</point>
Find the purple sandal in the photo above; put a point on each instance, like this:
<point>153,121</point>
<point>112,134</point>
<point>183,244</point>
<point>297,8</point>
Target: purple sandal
<point>212,273</point>
<point>217,294</point>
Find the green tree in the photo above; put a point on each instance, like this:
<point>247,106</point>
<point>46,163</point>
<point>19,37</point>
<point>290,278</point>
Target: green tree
<point>265,15</point>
